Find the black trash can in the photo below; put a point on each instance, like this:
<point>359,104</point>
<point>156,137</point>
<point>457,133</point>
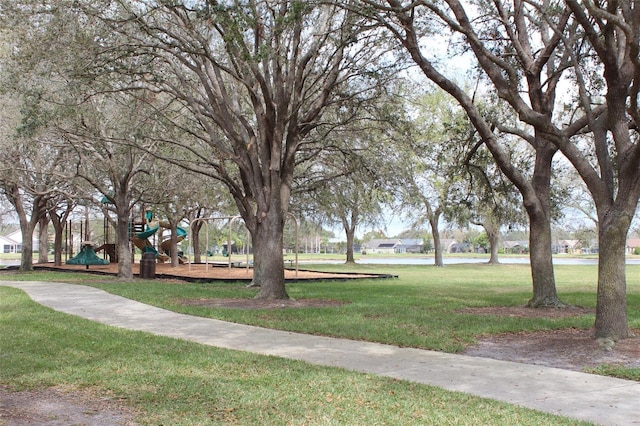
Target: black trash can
<point>148,266</point>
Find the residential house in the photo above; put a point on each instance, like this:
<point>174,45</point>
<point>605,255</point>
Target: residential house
<point>410,245</point>
<point>11,243</point>
<point>460,248</point>
<point>448,245</point>
<point>392,246</point>
<point>515,247</point>
<point>566,246</point>
<point>381,246</point>
<point>633,245</point>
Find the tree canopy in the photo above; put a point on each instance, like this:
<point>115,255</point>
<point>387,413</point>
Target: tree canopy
<point>250,93</point>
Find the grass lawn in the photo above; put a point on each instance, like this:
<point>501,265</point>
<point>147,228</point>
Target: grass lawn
<point>418,309</point>
<point>169,381</point>
<point>173,382</point>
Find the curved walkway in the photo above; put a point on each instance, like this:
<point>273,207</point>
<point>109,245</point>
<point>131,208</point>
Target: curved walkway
<point>598,399</point>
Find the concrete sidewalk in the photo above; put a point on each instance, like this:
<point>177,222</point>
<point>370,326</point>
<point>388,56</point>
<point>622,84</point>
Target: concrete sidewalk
<point>598,399</point>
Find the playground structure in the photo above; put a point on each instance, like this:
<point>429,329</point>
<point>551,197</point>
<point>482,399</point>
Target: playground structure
<point>140,238</point>
<point>148,267</point>
<point>110,251</point>
<point>196,272</point>
<point>87,256</point>
<point>140,234</point>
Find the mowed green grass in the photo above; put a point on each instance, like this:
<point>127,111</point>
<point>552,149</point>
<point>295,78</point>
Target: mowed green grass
<point>422,308</point>
<point>173,382</point>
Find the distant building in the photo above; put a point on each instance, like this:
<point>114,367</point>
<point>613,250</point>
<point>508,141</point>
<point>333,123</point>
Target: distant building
<point>392,246</point>
<point>410,245</point>
<point>448,245</point>
<point>460,248</point>
<point>383,246</point>
<point>515,247</point>
<point>633,245</point>
<point>566,246</point>
<point>11,243</point>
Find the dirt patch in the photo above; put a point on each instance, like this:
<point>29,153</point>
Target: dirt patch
<point>58,407</point>
<point>524,312</point>
<point>262,304</point>
<point>570,349</point>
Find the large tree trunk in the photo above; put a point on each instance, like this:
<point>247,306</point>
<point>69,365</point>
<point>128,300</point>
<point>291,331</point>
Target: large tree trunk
<point>544,284</point>
<point>173,245</point>
<point>611,306</point>
<point>125,271</point>
<point>538,206</point>
<point>494,238</point>
<point>58,230</point>
<point>437,245</point>
<point>57,244</point>
<point>43,239</point>
<point>268,259</point>
<point>27,226</point>
<point>26,258</point>
<point>350,238</point>
<point>350,231</point>
<point>195,240</point>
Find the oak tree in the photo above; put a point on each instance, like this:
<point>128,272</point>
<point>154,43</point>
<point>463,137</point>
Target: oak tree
<point>255,78</point>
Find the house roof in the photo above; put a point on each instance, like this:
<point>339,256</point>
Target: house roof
<point>633,242</point>
<point>7,240</point>
<point>15,236</point>
<point>569,243</point>
<point>513,244</point>
<point>393,242</point>
<point>409,242</point>
<point>383,243</point>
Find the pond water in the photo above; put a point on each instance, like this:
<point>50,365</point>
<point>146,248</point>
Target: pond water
<point>429,261</point>
<point>457,260</point>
